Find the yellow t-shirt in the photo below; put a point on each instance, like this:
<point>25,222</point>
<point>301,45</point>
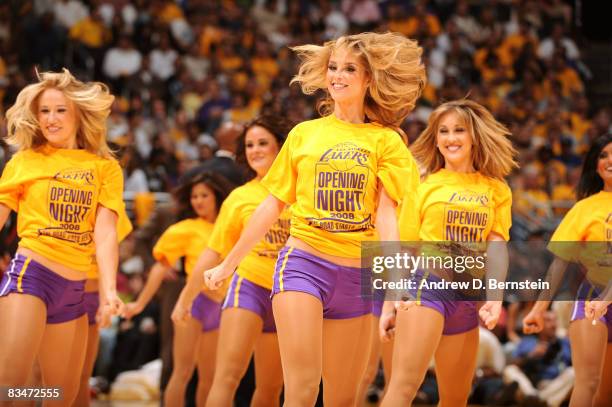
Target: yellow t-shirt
<point>55,193</point>
<point>589,220</point>
<point>187,238</point>
<point>258,264</point>
<point>458,207</point>
<point>329,171</point>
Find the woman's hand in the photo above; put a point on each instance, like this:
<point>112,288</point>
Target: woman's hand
<point>386,326</point>
<point>593,310</point>
<point>213,278</point>
<point>533,322</point>
<point>180,313</point>
<point>490,312</point>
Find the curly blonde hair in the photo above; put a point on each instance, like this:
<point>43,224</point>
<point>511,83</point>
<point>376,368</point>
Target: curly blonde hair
<point>492,152</point>
<point>392,61</point>
<point>92,101</point>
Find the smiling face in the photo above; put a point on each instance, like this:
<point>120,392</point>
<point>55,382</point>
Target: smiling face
<point>604,166</point>
<point>347,79</point>
<point>261,149</point>
<point>455,143</point>
<point>57,117</point>
<point>203,201</point>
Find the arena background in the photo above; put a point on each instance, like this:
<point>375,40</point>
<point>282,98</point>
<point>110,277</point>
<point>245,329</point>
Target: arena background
<point>180,69</point>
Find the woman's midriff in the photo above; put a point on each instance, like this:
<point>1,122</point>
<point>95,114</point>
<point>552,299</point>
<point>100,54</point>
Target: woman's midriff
<point>92,285</point>
<point>341,261</point>
<point>57,268</point>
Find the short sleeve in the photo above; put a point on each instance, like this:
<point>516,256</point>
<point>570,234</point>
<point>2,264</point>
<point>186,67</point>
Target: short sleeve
<point>11,188</point>
<point>409,220</point>
<point>171,246</point>
<point>281,178</point>
<point>228,227</point>
<point>111,196</point>
<point>397,169</point>
<point>503,211</point>
<point>569,230</point>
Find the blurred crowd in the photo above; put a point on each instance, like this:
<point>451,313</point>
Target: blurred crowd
<point>182,68</point>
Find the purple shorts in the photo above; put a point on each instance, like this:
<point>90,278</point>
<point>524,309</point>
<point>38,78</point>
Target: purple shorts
<point>207,311</point>
<point>91,303</point>
<point>339,288</point>
<point>377,307</point>
<point>585,293</point>
<point>459,315</point>
<point>62,297</point>
<point>247,295</point>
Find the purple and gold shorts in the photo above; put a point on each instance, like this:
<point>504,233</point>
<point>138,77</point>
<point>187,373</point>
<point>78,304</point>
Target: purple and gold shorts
<point>340,289</point>
<point>207,311</point>
<point>63,298</point>
<point>460,315</point>
<point>247,295</point>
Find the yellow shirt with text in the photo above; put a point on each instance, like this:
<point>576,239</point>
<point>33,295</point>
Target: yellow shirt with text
<point>258,264</point>
<point>457,207</point>
<point>329,172</point>
<point>187,238</point>
<point>56,193</point>
<point>589,220</point>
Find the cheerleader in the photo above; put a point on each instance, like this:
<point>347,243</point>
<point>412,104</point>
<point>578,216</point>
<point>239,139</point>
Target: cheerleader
<point>589,225</point>
<point>194,342</point>
<point>466,155</point>
<point>247,323</point>
<point>342,174</point>
<point>67,191</point>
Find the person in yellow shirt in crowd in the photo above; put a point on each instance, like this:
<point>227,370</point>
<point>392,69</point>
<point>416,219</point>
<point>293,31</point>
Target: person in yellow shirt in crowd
<point>465,154</point>
<point>67,190</point>
<point>589,226</point>
<point>195,342</point>
<point>247,323</point>
<point>343,175</point>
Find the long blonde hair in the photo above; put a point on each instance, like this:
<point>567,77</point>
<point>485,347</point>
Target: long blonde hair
<point>392,61</point>
<point>92,101</point>
<point>492,152</point>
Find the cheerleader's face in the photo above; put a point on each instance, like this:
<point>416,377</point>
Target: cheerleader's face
<point>57,117</point>
<point>347,78</point>
<point>604,165</point>
<point>261,149</point>
<point>203,202</point>
<point>455,143</point>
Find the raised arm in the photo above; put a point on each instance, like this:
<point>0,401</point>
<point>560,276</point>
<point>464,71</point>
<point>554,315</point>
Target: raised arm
<point>262,219</point>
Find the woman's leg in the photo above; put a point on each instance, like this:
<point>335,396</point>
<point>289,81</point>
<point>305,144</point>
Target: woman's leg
<point>93,340</point>
<point>418,330</point>
<point>299,324</point>
<point>238,333</point>
<point>604,394</point>
<point>455,367</point>
<point>184,347</point>
<point>588,344</point>
<point>207,354</point>
<point>62,355</point>
<point>268,372</point>
<point>373,361</point>
<point>346,351</point>
<point>22,318</point>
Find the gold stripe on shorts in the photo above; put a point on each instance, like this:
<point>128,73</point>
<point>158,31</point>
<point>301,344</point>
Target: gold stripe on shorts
<point>23,270</point>
<point>419,289</point>
<point>282,269</point>
<point>237,290</point>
